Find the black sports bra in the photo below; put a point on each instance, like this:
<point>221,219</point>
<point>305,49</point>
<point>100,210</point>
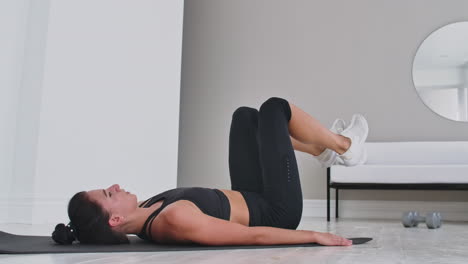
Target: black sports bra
<point>212,202</point>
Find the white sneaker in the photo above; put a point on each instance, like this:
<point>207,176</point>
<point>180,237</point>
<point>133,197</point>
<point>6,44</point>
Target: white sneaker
<point>357,131</point>
<point>339,160</point>
<point>328,157</point>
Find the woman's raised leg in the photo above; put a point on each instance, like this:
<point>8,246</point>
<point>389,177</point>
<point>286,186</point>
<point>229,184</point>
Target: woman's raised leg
<point>244,161</point>
<point>312,149</point>
<point>308,130</point>
<point>281,182</point>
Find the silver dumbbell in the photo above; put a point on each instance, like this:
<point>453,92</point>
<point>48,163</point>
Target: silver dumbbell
<point>412,219</point>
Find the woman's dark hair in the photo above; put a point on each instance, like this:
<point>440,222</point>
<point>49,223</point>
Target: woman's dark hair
<point>88,224</point>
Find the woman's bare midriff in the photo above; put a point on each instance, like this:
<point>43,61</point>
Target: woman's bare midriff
<point>239,209</point>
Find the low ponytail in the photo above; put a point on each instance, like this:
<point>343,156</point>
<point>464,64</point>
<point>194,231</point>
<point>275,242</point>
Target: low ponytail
<point>64,234</point>
<point>89,224</point>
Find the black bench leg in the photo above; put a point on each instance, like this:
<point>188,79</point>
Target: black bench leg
<point>336,203</point>
<point>328,194</point>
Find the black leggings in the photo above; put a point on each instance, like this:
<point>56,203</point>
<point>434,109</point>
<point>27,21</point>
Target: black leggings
<point>263,166</point>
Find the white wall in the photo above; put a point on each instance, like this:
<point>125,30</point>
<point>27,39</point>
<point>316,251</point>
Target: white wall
<point>108,109</point>
<point>12,33</point>
<point>22,195</point>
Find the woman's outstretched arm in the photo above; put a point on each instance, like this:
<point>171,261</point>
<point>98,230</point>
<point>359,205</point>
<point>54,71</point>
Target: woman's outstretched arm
<point>188,224</point>
<point>277,236</point>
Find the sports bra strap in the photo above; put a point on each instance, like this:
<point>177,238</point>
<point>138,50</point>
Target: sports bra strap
<point>149,221</point>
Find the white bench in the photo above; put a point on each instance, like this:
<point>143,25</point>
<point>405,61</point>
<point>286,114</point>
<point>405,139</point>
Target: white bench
<point>404,166</point>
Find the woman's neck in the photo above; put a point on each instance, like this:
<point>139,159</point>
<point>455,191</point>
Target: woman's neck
<point>137,219</point>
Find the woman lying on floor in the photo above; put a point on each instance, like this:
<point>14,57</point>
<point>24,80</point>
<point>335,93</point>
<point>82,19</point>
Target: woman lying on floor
<point>264,206</point>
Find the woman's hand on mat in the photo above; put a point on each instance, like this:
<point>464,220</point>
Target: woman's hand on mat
<point>328,239</point>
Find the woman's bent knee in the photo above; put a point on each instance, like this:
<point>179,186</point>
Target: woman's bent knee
<point>244,112</point>
<point>276,103</point>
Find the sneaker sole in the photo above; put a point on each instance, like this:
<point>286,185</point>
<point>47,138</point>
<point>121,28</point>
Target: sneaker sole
<point>361,139</point>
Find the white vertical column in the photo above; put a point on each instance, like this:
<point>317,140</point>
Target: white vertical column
<point>12,33</point>
<point>22,31</point>
<point>29,107</point>
<point>90,97</point>
<point>110,100</point>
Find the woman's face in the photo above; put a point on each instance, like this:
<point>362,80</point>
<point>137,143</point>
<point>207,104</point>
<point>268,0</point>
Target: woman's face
<point>114,200</point>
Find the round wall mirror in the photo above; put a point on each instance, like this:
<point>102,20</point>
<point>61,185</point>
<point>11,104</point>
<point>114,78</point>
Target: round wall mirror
<point>440,71</point>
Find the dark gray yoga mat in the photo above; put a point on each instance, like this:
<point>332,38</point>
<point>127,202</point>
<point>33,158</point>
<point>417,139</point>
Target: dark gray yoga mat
<point>19,244</point>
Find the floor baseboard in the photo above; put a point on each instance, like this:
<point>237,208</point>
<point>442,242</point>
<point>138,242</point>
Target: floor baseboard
<point>451,211</point>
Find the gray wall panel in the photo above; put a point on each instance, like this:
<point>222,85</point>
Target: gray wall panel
<point>331,58</point>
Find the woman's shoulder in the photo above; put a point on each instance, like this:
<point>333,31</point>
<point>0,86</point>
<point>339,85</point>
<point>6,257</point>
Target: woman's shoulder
<point>164,228</point>
<point>180,205</point>
<point>171,211</point>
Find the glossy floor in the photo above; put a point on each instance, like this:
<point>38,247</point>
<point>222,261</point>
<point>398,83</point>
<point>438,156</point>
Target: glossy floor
<point>392,244</point>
